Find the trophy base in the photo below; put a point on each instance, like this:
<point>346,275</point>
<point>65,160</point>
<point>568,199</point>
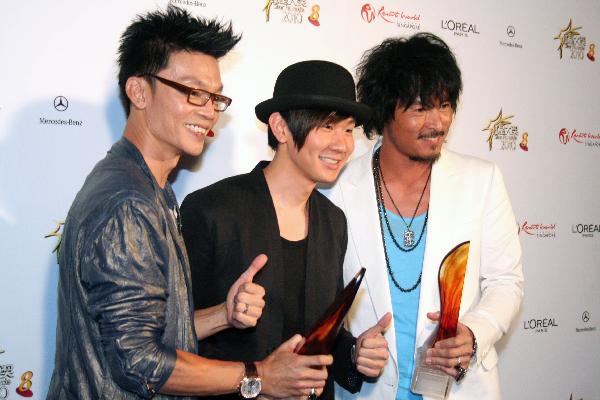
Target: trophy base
<point>427,381</point>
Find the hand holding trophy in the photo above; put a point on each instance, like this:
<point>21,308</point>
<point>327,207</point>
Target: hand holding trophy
<point>428,380</point>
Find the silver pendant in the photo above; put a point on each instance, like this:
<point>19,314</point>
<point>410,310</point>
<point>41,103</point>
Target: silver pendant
<point>409,237</point>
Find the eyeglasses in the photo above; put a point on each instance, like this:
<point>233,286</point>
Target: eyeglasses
<point>197,97</point>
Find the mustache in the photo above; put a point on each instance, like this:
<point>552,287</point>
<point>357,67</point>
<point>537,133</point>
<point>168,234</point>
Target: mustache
<point>431,135</point>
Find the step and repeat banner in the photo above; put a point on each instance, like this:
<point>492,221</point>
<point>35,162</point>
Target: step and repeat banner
<point>531,103</point>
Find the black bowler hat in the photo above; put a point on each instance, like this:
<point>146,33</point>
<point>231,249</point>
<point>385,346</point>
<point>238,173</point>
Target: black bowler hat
<point>321,85</point>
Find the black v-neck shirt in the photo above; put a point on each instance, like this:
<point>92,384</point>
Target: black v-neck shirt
<point>294,264</point>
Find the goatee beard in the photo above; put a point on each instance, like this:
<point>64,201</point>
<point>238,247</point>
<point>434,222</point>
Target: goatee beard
<point>425,160</point>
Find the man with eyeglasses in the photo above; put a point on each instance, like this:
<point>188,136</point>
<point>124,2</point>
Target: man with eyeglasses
<point>126,324</point>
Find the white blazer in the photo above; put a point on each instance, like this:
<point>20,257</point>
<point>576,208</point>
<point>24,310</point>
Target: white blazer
<point>468,201</point>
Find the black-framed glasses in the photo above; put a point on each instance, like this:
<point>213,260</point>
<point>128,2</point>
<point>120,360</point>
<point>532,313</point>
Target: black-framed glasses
<point>195,96</point>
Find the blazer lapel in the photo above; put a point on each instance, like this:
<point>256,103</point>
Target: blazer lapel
<point>365,235</point>
<point>272,275</point>
<point>439,242</point>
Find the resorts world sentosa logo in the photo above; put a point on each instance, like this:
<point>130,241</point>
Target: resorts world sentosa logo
<point>502,130</point>
<point>588,139</point>
<point>537,230</point>
<point>401,18</point>
<point>571,39</point>
<point>292,11</point>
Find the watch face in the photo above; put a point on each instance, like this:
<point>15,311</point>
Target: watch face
<point>250,388</point>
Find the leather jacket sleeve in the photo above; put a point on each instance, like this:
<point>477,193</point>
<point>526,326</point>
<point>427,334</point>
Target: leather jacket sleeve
<point>124,274</point>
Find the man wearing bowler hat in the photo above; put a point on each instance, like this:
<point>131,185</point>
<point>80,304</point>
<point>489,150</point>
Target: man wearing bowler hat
<point>274,211</point>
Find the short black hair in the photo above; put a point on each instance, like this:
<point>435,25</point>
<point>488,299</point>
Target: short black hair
<point>301,122</point>
<point>149,41</point>
<point>399,71</point>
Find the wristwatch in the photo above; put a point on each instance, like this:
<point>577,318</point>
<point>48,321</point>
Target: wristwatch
<point>251,384</point>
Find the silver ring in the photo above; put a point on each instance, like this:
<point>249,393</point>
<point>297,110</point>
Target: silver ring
<point>458,361</point>
<point>461,373</point>
<point>246,306</point>
<point>312,395</point>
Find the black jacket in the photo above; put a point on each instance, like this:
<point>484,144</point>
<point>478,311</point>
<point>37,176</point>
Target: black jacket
<point>225,226</point>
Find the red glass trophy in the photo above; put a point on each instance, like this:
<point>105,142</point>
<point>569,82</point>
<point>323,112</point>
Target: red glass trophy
<point>428,381</point>
<point>322,336</point>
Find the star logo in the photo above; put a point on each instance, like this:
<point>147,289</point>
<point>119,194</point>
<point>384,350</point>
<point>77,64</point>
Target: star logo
<point>494,124</point>
<point>267,9</point>
<point>565,33</point>
<point>61,103</point>
<point>510,31</point>
<point>585,317</point>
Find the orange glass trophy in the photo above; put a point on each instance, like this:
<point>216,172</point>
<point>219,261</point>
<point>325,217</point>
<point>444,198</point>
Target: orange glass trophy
<point>322,336</point>
<point>428,381</point>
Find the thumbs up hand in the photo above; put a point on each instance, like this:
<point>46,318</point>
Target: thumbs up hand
<point>245,299</point>
<point>372,348</point>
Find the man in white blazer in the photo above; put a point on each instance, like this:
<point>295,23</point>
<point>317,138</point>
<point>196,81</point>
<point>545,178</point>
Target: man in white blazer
<point>408,202</point>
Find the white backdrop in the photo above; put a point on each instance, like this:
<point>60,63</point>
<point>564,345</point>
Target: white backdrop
<point>511,64</point>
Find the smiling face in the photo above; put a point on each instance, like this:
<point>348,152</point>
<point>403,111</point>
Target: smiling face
<point>325,151</point>
<point>418,132</point>
<point>174,125</point>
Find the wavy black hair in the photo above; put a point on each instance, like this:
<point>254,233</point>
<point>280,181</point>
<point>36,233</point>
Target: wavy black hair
<point>149,41</point>
<point>399,71</point>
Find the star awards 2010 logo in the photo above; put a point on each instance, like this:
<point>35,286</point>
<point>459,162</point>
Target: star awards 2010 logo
<point>292,11</point>
<point>57,233</point>
<point>7,373</point>
<point>588,139</point>
<point>401,18</point>
<point>501,129</point>
<point>538,230</point>
<point>571,39</point>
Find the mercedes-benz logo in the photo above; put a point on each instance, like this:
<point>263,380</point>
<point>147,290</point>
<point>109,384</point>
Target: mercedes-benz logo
<point>585,317</point>
<point>510,31</point>
<point>61,103</point>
